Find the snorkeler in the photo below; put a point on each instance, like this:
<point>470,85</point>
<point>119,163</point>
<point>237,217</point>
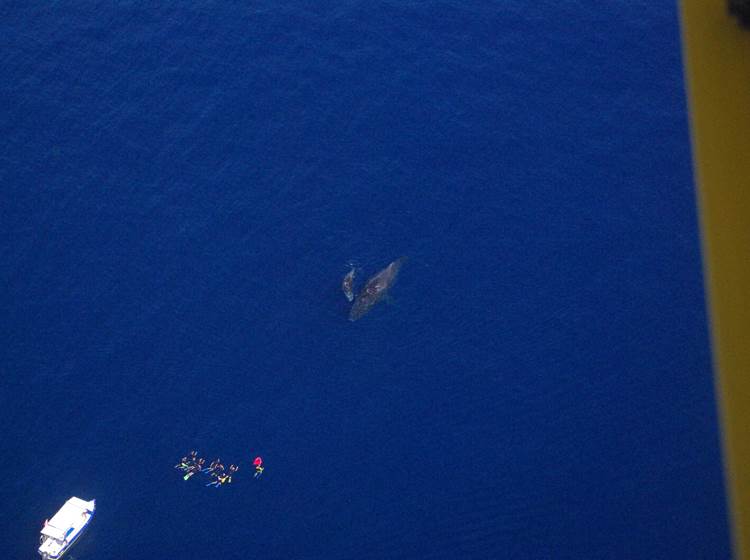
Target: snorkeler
<point>187,462</point>
<point>194,468</point>
<point>220,480</point>
<point>214,466</point>
<point>258,463</point>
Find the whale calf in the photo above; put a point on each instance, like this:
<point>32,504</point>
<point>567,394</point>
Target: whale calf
<point>375,289</point>
<point>347,285</point>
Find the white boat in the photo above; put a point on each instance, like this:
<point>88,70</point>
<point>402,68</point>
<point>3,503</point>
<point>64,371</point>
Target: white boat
<point>60,532</point>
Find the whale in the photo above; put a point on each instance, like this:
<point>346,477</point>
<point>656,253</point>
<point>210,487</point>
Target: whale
<point>375,289</point>
<point>347,285</point>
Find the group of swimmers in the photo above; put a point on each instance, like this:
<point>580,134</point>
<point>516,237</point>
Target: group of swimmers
<point>191,464</point>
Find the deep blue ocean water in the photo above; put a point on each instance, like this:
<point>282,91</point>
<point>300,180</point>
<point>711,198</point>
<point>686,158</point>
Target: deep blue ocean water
<point>183,187</point>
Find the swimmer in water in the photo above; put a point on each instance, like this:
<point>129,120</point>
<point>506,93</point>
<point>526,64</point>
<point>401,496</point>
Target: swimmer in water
<point>214,466</point>
<point>217,470</point>
<point>347,285</point>
<point>195,468</point>
<point>187,462</point>
<point>221,479</point>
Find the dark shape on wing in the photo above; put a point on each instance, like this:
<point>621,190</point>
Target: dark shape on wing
<point>347,285</point>
<point>375,289</point>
